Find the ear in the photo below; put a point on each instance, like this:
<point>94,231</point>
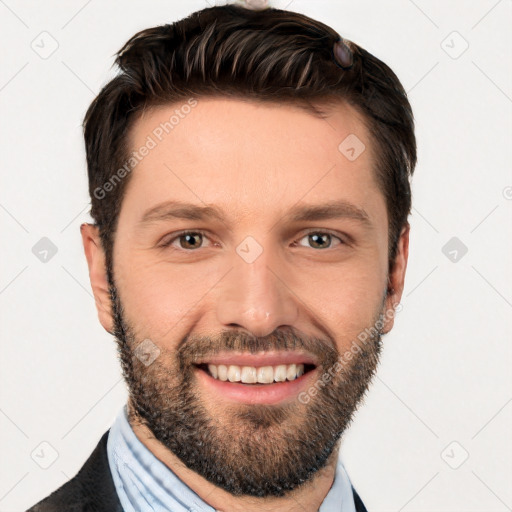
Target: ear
<point>396,279</point>
<point>98,274</point>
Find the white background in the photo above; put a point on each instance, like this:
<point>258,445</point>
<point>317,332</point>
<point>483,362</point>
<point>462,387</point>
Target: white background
<point>445,377</point>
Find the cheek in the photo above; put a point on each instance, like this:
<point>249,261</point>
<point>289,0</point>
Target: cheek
<point>157,297</point>
<point>347,298</point>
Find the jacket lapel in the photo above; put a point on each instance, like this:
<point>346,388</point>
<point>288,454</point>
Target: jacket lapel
<point>91,490</point>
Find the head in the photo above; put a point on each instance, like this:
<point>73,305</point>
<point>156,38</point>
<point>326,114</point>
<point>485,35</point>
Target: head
<point>294,158</point>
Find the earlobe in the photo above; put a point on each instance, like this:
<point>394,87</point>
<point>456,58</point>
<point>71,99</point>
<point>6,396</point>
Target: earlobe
<point>96,262</point>
<point>396,279</point>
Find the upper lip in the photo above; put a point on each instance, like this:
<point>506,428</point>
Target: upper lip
<point>259,359</point>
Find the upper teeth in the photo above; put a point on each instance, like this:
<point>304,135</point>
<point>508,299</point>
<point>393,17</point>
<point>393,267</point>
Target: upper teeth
<point>253,375</point>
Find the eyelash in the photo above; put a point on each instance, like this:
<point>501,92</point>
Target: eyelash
<point>204,234</point>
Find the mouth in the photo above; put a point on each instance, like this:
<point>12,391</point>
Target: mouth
<point>264,379</point>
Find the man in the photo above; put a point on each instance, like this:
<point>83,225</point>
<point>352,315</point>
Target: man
<point>249,177</point>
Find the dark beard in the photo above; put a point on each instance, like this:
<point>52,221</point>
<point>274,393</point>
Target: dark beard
<point>256,450</point>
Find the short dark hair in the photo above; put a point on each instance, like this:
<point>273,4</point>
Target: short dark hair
<point>268,55</point>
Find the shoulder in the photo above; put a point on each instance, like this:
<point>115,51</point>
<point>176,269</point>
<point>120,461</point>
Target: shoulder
<point>91,490</point>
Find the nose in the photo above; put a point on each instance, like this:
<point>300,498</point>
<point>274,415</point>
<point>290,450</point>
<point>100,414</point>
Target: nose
<point>255,296</point>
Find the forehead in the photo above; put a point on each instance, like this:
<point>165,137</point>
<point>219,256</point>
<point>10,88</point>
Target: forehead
<point>251,157</point>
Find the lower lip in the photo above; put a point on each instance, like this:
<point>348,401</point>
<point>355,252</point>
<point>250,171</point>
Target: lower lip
<point>256,393</point>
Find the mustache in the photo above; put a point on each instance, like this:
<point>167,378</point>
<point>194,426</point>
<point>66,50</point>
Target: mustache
<point>193,348</point>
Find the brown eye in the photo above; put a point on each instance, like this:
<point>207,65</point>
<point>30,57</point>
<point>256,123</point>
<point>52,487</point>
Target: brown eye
<point>190,240</point>
<point>321,239</point>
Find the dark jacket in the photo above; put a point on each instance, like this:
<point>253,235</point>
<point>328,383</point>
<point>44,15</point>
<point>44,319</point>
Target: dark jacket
<point>93,489</point>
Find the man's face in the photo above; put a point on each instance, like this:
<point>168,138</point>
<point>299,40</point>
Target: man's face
<point>256,285</point>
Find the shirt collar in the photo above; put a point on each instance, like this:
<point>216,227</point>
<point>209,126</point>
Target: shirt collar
<point>145,484</point>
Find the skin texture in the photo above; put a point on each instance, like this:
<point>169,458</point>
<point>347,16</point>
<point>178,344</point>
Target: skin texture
<point>198,296</point>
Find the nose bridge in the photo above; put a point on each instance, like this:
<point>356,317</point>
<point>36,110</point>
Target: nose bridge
<point>254,296</point>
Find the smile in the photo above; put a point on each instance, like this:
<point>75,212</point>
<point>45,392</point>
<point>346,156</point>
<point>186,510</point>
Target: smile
<point>271,378</point>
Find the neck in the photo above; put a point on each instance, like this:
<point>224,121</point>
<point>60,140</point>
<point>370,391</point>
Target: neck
<point>307,497</point>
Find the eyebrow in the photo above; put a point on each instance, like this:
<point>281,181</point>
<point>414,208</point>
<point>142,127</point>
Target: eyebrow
<point>338,209</point>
